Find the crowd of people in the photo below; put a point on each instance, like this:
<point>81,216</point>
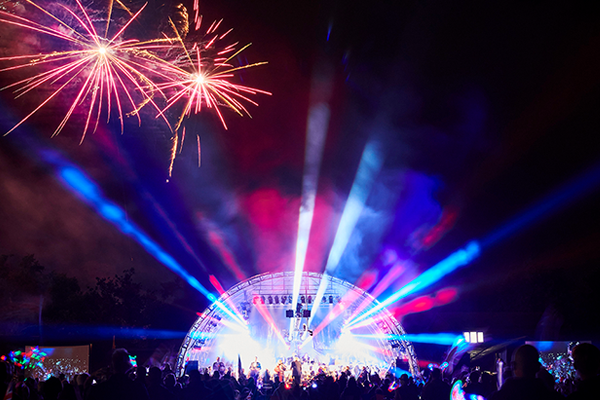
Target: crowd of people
<point>528,380</point>
<point>301,370</point>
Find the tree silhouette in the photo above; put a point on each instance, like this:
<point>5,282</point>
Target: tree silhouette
<point>37,301</point>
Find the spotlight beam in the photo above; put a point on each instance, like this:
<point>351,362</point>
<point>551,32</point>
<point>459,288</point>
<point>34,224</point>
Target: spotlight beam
<point>450,264</point>
<point>218,243</point>
<point>363,323</point>
<point>381,286</point>
<point>444,339</point>
<point>426,303</point>
<point>339,308</point>
<point>368,168</point>
<point>316,134</point>
<point>230,324</point>
<point>583,184</point>
<point>348,299</point>
<point>74,180</point>
<point>267,316</point>
<point>186,245</point>
<point>101,332</point>
<point>370,165</point>
<point>217,285</point>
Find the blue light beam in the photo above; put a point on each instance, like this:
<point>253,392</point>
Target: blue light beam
<point>73,179</point>
<point>369,167</point>
<point>442,339</point>
<point>448,265</point>
<point>553,202</point>
<point>583,184</point>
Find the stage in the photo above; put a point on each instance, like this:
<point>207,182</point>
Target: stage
<point>256,318</point>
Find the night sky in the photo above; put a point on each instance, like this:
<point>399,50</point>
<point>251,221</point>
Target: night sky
<point>481,111</point>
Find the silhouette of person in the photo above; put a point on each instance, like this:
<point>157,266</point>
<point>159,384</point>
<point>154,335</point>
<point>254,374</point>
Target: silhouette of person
<point>474,387</point>
<point>119,386</point>
<point>586,360</point>
<point>407,391</point>
<point>524,385</point>
<point>156,390</point>
<point>436,388</point>
<point>352,390</point>
<point>297,370</point>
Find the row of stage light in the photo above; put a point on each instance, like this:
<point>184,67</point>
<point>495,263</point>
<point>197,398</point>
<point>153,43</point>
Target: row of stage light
<point>285,299</point>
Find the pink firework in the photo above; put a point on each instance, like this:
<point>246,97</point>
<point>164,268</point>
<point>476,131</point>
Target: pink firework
<point>202,77</point>
<point>101,70</point>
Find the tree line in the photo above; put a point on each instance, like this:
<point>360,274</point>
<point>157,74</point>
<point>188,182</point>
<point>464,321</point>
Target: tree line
<point>45,306</point>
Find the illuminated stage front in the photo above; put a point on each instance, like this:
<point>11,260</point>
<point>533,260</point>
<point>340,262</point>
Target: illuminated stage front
<point>265,324</point>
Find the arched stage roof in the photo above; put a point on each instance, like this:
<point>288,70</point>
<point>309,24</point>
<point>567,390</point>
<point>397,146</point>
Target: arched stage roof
<point>269,327</point>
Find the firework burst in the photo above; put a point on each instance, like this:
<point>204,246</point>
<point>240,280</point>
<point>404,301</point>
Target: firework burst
<point>106,73</point>
<point>207,83</point>
<point>201,77</point>
<point>103,74</point>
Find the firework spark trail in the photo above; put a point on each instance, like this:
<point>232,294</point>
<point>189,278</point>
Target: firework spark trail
<point>104,70</point>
